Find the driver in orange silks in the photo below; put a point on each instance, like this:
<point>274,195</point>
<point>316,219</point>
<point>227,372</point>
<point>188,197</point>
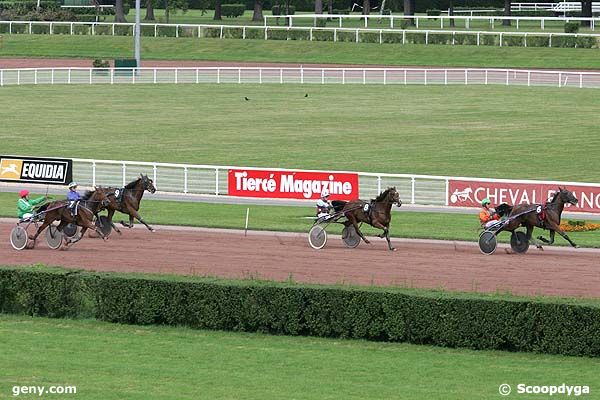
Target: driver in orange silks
<point>487,215</point>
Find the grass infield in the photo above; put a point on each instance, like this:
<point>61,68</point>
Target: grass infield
<point>111,361</point>
<point>164,48</point>
<point>482,131</point>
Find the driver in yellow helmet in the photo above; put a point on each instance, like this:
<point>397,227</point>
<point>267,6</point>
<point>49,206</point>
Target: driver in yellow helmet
<point>487,215</point>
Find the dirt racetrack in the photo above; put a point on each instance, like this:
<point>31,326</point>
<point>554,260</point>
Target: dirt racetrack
<point>281,256</point>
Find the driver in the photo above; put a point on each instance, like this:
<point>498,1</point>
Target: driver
<point>323,204</point>
<point>25,204</point>
<point>73,197</point>
<point>487,215</point>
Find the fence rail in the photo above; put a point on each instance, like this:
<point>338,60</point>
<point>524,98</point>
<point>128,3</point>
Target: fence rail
<point>299,75</point>
<point>268,31</point>
<point>213,179</point>
<point>444,20</point>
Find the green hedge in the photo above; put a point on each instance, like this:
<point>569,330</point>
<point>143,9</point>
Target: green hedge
<point>423,317</point>
<point>233,10</point>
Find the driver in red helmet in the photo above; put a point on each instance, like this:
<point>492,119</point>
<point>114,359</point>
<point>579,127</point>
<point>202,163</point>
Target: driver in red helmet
<point>25,204</point>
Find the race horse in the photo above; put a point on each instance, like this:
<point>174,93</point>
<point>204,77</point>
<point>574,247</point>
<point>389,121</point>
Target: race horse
<point>87,208</point>
<point>546,216</point>
<point>127,200</point>
<point>376,213</point>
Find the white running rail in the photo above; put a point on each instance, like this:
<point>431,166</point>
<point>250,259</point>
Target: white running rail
<point>299,75</point>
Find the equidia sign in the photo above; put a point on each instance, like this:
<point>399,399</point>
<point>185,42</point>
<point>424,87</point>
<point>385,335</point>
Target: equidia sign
<point>470,193</point>
<point>291,184</point>
<point>36,170</point>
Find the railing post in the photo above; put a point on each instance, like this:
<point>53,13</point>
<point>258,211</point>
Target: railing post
<point>218,75</point>
<point>1,77</point>
<point>425,77</point>
<point>35,76</point>
<point>154,173</point>
<point>69,76</point>
<point>385,76</point>
<point>322,76</point>
<point>176,75</point>
<point>447,189</point>
<point>466,76</point>
<point>197,77</point>
<point>507,76</point>
<point>528,78</point>
<point>405,82</point>
<point>93,173</point>
<point>19,77</point>
<point>412,190</point>
<point>357,35</point>
<point>364,76</point>
<point>301,75</point>
<point>124,167</point>
<point>154,75</point>
<point>580,80</point>
<point>343,77</point>
<point>445,77</point>
<point>379,184</point>
<point>486,76</point>
<point>112,76</point>
<point>559,79</point>
<point>216,181</point>
<point>71,29</point>
<point>239,75</point>
<point>91,69</point>
<point>185,180</point>
<point>281,75</point>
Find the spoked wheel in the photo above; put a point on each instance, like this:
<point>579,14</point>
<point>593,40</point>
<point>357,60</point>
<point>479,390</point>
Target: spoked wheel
<point>519,242</point>
<point>350,237</point>
<point>487,242</point>
<point>54,237</point>
<point>317,237</point>
<point>104,225</point>
<point>70,230</point>
<point>18,238</point>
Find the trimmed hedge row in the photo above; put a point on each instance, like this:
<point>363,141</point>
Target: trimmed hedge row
<point>434,318</point>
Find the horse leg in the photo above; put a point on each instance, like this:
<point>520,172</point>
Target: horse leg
<point>130,222</point>
<point>139,218</point>
<point>110,215</point>
<point>529,236</point>
<point>47,222</point>
<point>555,227</point>
<point>385,234</point>
<point>355,225</point>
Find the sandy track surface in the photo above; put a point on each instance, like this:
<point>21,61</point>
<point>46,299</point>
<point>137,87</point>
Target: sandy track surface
<point>281,256</point>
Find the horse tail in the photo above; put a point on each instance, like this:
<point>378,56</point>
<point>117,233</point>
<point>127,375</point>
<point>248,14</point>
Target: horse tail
<point>504,209</point>
<point>338,205</point>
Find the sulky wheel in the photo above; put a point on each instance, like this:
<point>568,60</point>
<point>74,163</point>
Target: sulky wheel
<point>69,230</point>
<point>104,225</point>
<point>350,237</point>
<point>519,242</point>
<point>54,237</point>
<point>487,242</point>
<point>18,238</point>
<point>317,237</point>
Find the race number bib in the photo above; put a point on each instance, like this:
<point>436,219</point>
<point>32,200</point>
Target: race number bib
<point>366,208</point>
<point>538,209</point>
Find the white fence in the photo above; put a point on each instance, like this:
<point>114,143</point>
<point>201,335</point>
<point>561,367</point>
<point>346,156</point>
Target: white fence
<point>299,75</point>
<point>444,20</point>
<point>213,180</point>
<point>556,7</point>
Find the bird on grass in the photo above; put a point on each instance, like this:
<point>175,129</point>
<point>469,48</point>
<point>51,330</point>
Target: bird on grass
<point>306,95</point>
<point>245,98</point>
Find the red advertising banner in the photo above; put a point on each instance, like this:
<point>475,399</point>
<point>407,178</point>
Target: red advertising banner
<point>291,184</point>
<point>463,193</point>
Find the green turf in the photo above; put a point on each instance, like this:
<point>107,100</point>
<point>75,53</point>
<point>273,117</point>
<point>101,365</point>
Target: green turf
<point>485,131</point>
<point>296,52</point>
<point>421,225</point>
<point>110,361</point>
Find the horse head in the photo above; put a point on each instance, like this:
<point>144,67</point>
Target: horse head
<point>567,196</point>
<point>147,183</point>
<point>99,196</point>
<point>395,196</point>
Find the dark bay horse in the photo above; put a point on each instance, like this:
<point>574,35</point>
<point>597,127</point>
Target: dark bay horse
<point>376,213</point>
<point>128,202</point>
<point>545,216</point>
<point>86,210</point>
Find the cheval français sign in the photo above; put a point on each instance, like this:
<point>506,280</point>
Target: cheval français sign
<point>468,193</point>
<point>291,184</point>
<point>36,170</point>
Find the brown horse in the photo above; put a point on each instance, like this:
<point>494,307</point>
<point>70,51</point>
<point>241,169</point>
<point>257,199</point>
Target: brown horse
<point>86,210</point>
<point>545,216</point>
<point>376,213</point>
<point>127,200</point>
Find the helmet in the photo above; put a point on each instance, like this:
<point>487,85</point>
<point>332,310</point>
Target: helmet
<point>24,193</point>
<point>325,193</point>
<point>485,201</point>
<point>72,185</point>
